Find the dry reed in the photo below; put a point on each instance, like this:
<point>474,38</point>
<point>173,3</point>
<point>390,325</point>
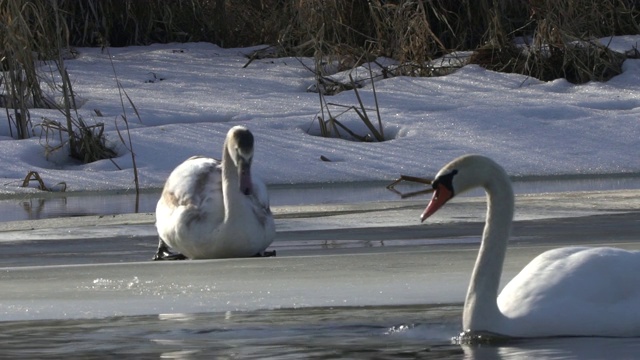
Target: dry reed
<point>555,38</point>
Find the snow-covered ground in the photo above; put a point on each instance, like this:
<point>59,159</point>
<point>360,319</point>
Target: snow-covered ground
<point>529,126</point>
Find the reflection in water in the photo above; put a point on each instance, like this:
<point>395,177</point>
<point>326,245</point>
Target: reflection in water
<point>392,332</point>
<point>558,348</point>
<point>59,205</point>
<point>34,211</point>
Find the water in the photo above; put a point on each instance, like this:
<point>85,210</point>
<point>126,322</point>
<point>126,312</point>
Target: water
<point>390,332</point>
<point>318,333</point>
<point>359,332</point>
<point>52,205</point>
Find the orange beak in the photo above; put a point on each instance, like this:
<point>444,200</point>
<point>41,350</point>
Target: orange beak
<point>440,196</point>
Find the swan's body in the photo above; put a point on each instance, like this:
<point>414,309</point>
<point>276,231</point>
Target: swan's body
<point>212,209</point>
<point>572,291</point>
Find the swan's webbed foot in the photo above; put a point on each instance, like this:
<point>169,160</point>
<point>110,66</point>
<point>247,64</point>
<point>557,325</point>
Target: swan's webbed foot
<point>265,254</point>
<point>169,256</point>
<point>164,253</point>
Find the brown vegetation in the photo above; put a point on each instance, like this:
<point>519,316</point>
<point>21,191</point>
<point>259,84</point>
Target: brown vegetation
<point>555,38</point>
<point>559,33</point>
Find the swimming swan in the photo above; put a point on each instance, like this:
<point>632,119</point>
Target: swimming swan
<point>571,291</point>
<point>212,209</point>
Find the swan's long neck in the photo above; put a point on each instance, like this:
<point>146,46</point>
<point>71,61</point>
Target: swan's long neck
<point>481,311</point>
<point>230,186</point>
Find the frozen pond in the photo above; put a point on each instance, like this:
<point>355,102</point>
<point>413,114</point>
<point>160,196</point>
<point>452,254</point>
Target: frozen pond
<point>355,280</point>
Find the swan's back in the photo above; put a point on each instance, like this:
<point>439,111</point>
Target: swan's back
<point>576,291</point>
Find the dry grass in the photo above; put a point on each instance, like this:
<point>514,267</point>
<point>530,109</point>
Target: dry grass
<point>30,38</point>
<point>559,40</point>
<point>410,31</point>
<point>563,42</point>
<point>577,62</point>
<point>330,126</point>
<point>22,38</point>
<point>138,22</point>
<point>35,176</point>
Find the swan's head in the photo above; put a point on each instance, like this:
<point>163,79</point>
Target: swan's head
<point>458,176</point>
<point>240,148</point>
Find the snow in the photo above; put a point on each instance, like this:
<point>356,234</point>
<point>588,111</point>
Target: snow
<point>530,127</point>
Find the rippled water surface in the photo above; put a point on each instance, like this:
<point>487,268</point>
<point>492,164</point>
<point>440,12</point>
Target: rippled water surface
<point>321,333</point>
<point>399,332</point>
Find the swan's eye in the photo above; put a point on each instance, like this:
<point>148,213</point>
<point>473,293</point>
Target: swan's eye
<point>445,180</point>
